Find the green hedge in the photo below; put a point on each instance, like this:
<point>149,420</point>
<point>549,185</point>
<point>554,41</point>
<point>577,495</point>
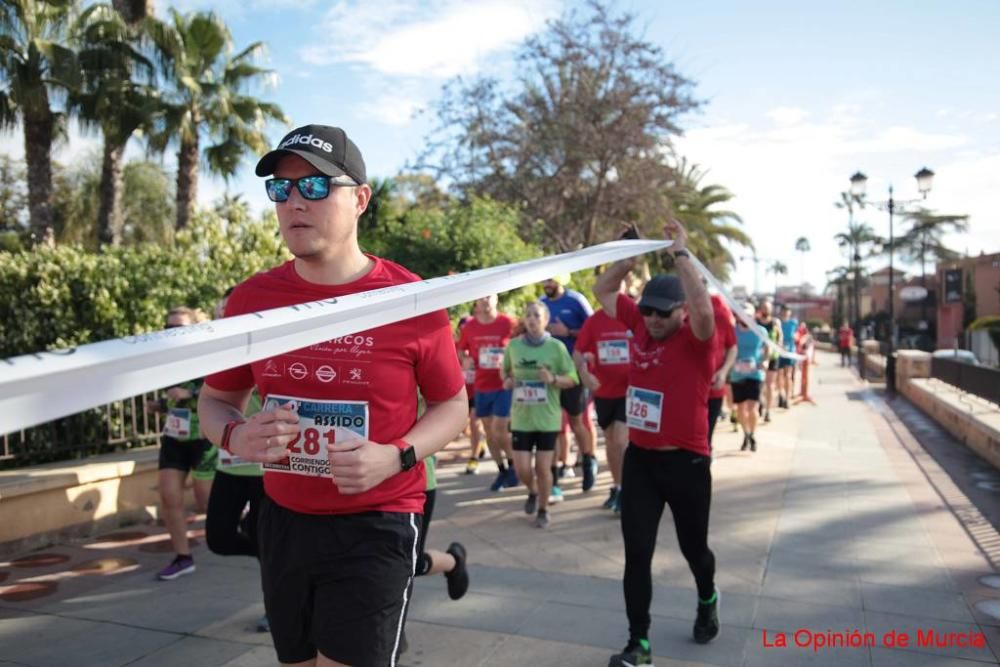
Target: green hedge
<point>64,296</point>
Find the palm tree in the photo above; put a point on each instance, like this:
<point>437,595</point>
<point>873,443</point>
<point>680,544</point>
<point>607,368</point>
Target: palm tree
<point>210,103</point>
<point>118,95</point>
<point>838,278</point>
<point>778,269</point>
<point>709,229</point>
<point>133,11</point>
<point>35,67</point>
<point>859,241</point>
<point>802,246</point>
<point>924,240</point>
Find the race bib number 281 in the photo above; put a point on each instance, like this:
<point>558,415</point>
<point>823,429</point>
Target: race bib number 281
<point>320,423</point>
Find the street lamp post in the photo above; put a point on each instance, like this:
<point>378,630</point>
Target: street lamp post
<point>925,178</point>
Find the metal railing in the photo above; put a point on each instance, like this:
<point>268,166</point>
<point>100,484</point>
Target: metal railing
<point>981,381</point>
<point>113,427</point>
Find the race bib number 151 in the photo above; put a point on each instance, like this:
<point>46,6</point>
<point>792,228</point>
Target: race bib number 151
<point>612,352</point>
<point>320,423</point>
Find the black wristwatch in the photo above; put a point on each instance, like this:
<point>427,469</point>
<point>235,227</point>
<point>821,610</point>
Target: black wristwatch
<point>682,253</point>
<point>407,455</point>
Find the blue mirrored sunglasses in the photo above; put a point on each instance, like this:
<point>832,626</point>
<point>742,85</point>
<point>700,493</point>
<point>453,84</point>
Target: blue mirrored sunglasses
<point>312,188</point>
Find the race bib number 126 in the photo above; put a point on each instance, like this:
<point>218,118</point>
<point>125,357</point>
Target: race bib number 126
<point>643,409</point>
<point>320,423</point>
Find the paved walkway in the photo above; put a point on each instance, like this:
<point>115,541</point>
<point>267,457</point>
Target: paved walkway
<point>842,521</point>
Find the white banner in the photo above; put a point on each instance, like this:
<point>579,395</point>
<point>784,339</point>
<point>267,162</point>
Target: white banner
<point>37,388</point>
<point>737,309</point>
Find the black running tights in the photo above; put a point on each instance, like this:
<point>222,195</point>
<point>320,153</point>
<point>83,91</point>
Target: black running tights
<point>230,494</point>
<point>651,479</point>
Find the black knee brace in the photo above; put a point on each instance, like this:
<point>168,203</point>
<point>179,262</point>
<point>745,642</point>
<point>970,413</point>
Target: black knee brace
<point>424,564</point>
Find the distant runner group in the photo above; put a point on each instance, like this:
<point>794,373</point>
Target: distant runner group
<point>323,458</point>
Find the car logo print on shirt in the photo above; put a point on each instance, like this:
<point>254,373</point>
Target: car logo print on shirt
<point>325,374</point>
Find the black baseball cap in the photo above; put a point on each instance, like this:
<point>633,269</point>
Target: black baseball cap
<point>663,293</point>
<point>324,147</point>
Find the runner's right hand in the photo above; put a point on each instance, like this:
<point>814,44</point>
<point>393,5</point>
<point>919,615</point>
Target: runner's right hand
<point>264,437</point>
<point>629,232</point>
<point>557,328</point>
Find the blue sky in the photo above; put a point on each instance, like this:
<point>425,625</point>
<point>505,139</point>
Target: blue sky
<point>799,95</point>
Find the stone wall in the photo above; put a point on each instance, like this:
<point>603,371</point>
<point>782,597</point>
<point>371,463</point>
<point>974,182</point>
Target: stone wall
<point>54,501</point>
<point>972,420</point>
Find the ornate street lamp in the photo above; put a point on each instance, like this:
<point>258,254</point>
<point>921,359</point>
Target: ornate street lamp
<point>859,182</point>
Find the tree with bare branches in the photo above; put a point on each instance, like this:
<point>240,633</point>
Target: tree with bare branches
<point>579,143</point>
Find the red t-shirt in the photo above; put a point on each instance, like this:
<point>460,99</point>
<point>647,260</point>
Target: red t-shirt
<point>383,367</point>
<point>845,335</point>
<point>485,343</point>
<point>724,338</point>
<point>668,385</point>
<point>608,340</point>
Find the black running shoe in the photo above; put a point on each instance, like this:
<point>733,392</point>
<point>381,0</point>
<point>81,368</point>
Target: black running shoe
<point>609,504</point>
<point>706,624</point>
<point>590,467</point>
<point>458,578</point>
<point>746,443</point>
<point>753,443</point>
<point>634,654</point>
<point>531,504</point>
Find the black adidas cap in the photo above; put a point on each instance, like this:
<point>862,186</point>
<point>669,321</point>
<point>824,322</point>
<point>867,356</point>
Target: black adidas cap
<point>324,147</point>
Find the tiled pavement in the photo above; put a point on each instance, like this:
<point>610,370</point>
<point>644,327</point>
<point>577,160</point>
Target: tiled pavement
<point>844,520</point>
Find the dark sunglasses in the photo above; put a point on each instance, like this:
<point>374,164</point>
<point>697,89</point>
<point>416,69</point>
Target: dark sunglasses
<point>312,188</point>
<point>648,311</point>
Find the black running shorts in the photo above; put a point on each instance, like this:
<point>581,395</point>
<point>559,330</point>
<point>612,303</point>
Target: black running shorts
<point>610,410</point>
<point>337,584</point>
<point>573,400</point>
<point>195,456</point>
<point>525,441</point>
<point>746,390</point>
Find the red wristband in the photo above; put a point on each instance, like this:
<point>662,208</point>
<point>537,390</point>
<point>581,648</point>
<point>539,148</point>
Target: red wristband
<point>227,433</point>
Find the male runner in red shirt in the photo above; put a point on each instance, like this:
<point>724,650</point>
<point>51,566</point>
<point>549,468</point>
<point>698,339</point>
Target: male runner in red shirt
<point>724,342</point>
<point>482,343</point>
<point>602,359</point>
<point>667,461</point>
<point>338,434</point>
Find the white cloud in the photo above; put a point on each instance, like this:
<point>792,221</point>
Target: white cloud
<point>439,39</point>
<point>786,115</point>
<point>785,177</point>
<point>393,109</point>
<point>904,139</point>
<point>968,185</point>
<point>236,8</point>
